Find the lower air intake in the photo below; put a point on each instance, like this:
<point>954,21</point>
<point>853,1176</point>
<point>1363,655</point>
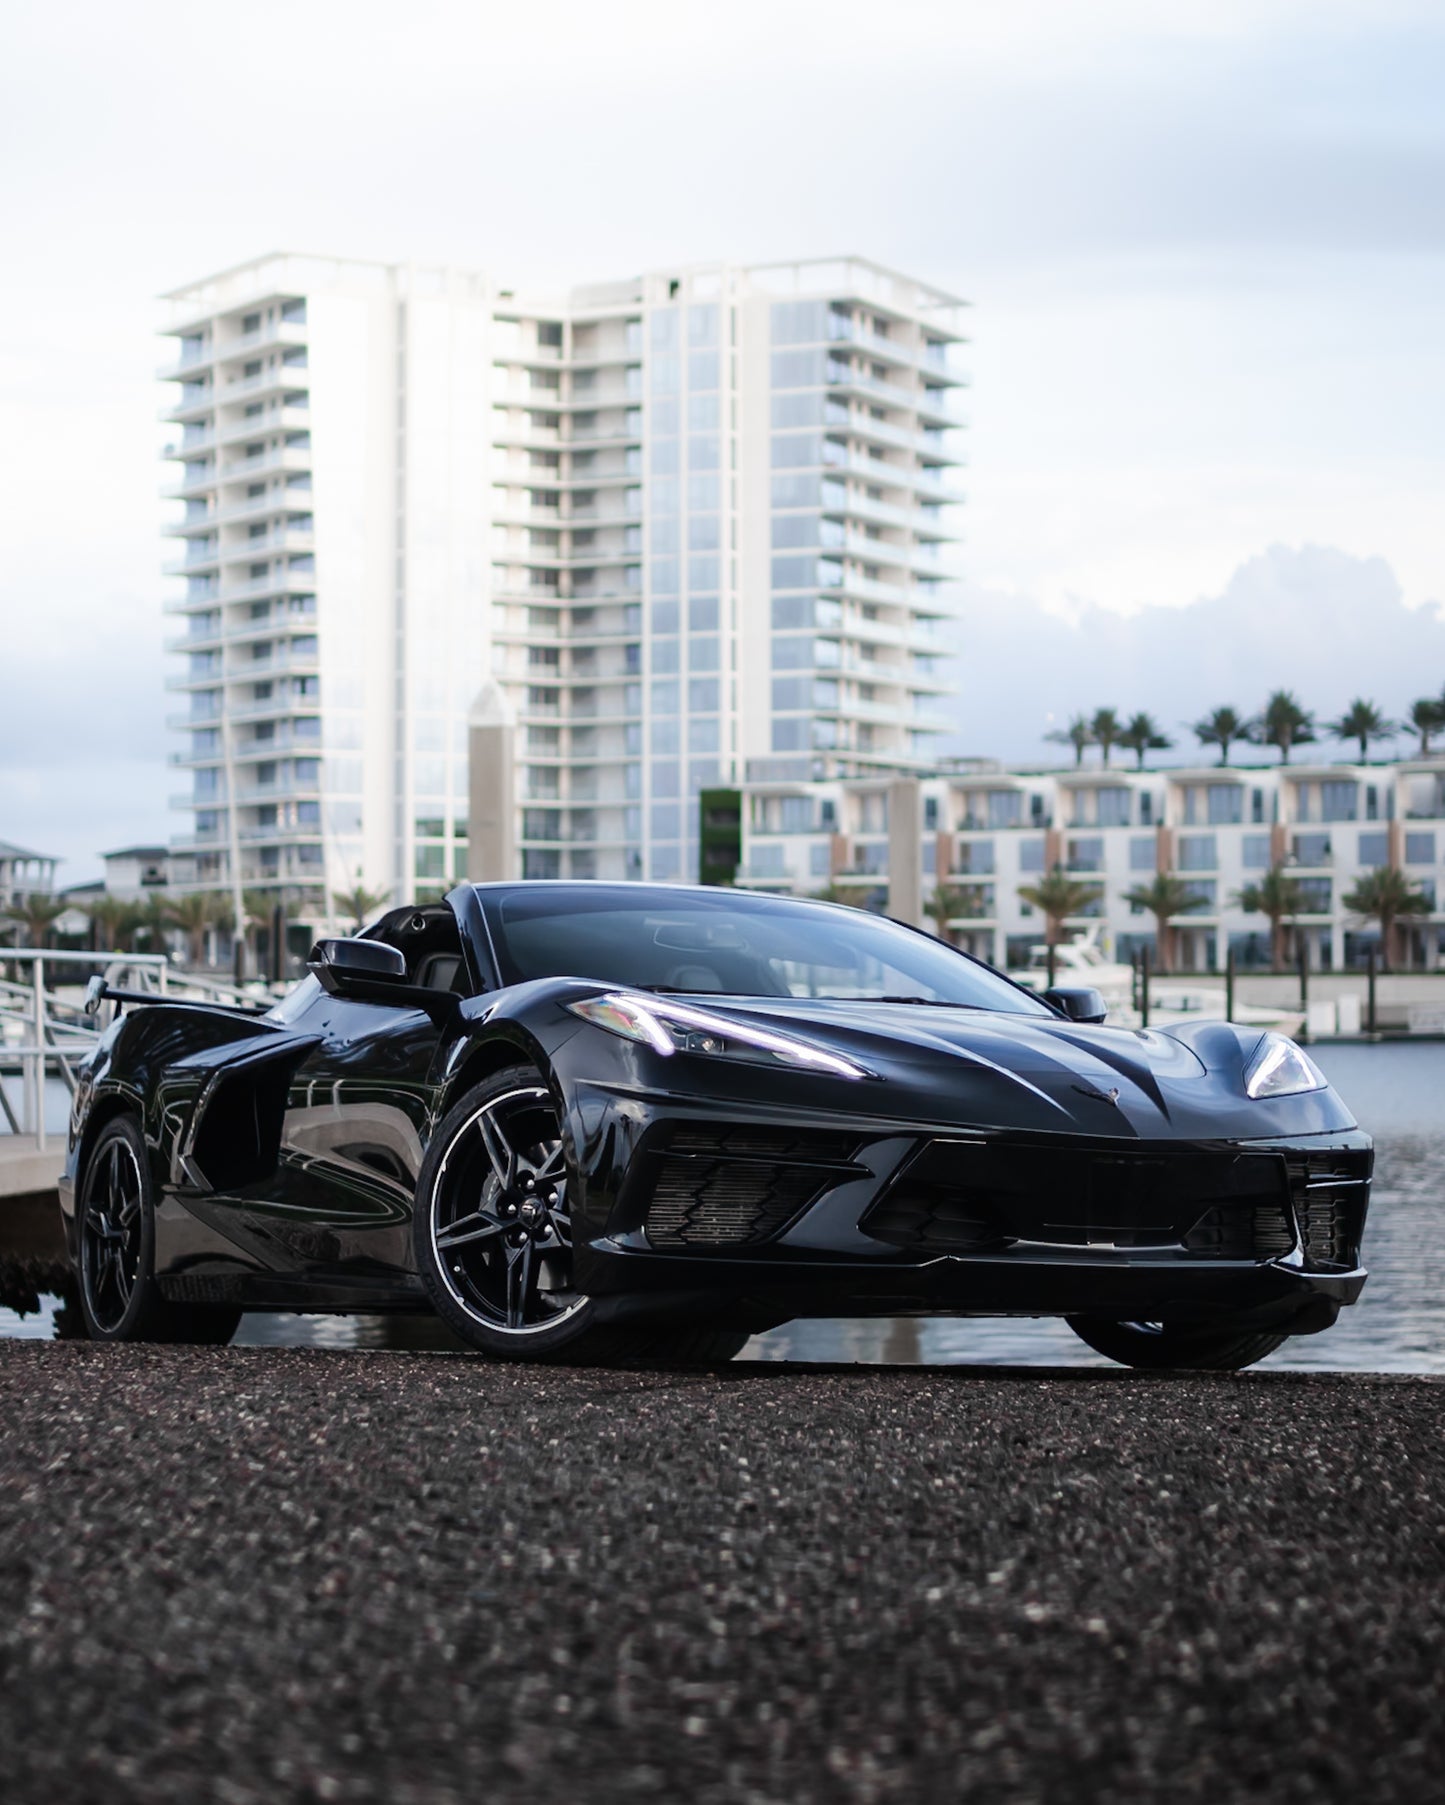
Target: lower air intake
<point>739,1187</point>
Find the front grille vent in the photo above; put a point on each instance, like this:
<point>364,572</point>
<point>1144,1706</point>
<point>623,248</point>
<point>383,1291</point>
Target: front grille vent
<point>1331,1192</point>
<point>1242,1231</point>
<point>957,1197</point>
<point>727,1187</point>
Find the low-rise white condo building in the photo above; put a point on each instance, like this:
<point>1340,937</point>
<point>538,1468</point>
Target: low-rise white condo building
<point>694,525</point>
<point>980,832</point>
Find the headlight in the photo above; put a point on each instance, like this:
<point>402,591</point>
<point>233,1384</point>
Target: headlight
<point>1280,1069</point>
<point>668,1027</point>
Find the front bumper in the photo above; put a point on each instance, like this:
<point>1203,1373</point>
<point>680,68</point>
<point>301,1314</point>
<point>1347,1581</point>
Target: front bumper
<point>689,1207</point>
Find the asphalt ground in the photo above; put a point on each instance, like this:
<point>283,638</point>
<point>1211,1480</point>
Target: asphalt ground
<point>242,1575</point>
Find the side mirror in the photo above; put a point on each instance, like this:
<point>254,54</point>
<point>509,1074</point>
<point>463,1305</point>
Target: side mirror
<point>1082,1005</point>
<point>357,968</point>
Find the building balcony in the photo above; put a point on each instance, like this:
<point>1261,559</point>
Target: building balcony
<point>290,539</point>
<point>199,559</point>
<point>275,583</point>
<point>286,333</point>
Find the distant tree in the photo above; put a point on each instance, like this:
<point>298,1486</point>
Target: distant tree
<point>943,903</point>
<point>154,923</point>
<point>37,913</point>
<point>1141,733</point>
<point>1108,731</point>
<point>194,914</point>
<point>1221,728</point>
<point>1057,897</point>
<point>1427,716</point>
<point>1278,897</point>
<point>1283,724</point>
<point>358,903</point>
<point>110,918</point>
<point>1079,734</point>
<point>1164,896</point>
<point>1387,896</point>
<point>1363,722</point>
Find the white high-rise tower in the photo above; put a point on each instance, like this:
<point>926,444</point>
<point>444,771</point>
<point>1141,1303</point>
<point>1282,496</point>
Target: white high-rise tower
<point>694,524</point>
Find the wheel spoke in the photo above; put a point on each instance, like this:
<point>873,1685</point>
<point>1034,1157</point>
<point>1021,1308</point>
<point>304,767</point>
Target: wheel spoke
<point>499,1150</point>
<point>477,1227</point>
<point>519,1281</point>
<point>551,1166</point>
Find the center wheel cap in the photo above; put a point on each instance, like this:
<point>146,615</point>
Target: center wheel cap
<point>530,1212</point>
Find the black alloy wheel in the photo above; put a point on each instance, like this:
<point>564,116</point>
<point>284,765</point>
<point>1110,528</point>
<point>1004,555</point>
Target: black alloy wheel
<point>1162,1347</point>
<point>111,1222</point>
<point>119,1297</point>
<point>493,1238</point>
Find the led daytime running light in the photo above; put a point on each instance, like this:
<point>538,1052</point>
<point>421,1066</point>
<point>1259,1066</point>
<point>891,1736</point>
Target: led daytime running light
<point>647,1019</point>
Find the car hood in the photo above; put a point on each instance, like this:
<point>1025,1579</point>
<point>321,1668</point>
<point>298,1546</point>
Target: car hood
<point>1040,1073</point>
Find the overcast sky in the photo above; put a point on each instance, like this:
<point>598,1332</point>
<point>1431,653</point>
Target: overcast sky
<point>1205,244</point>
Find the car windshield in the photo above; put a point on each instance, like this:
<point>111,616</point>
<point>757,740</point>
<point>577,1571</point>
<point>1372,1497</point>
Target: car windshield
<point>732,943</point>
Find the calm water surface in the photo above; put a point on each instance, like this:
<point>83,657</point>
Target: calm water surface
<point>1396,1092</point>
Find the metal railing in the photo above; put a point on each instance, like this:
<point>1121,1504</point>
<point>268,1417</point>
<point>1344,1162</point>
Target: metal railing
<point>44,1030</point>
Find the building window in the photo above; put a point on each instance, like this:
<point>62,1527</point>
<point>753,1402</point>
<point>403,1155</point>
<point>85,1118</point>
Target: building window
<point>1143,854</point>
<point>1312,849</point>
<point>1339,801</point>
<point>1031,855</point>
<point>1086,855</point>
<point>1198,852</point>
<point>1114,807</point>
<point>1254,852</point>
<point>1419,849</point>
<point>1226,804</point>
<point>1374,850</point>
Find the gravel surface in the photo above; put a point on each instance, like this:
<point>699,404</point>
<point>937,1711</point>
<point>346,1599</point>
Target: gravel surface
<point>243,1575</point>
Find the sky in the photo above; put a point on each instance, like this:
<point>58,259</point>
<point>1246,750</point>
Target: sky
<point>1204,246</point>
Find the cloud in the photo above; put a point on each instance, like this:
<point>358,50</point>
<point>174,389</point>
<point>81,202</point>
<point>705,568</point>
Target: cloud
<point>1312,619</point>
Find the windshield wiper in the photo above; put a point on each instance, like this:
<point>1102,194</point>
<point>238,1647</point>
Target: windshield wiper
<point>923,1002</point>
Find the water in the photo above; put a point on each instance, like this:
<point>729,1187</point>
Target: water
<point>1396,1091</point>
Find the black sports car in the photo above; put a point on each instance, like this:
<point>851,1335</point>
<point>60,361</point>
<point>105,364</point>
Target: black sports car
<point>605,1121</point>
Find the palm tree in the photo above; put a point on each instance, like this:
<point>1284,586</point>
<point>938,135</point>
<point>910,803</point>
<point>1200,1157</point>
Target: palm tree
<point>1108,731</point>
<point>1057,897</point>
<point>1278,896</point>
<point>942,904</point>
<point>1164,896</point>
<point>1283,724</point>
<point>1079,734</point>
<point>1142,734</point>
<point>1427,716</point>
<point>358,903</point>
<point>1362,721</point>
<point>1221,728</point>
<point>1384,895</point>
<point>110,918</point>
<point>194,914</point>
<point>155,919</point>
<point>36,913</point>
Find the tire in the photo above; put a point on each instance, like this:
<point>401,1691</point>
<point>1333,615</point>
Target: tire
<point>1156,1347</point>
<point>492,1237</point>
<point>117,1293</point>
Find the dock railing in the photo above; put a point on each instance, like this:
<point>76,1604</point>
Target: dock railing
<point>44,1030</point>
